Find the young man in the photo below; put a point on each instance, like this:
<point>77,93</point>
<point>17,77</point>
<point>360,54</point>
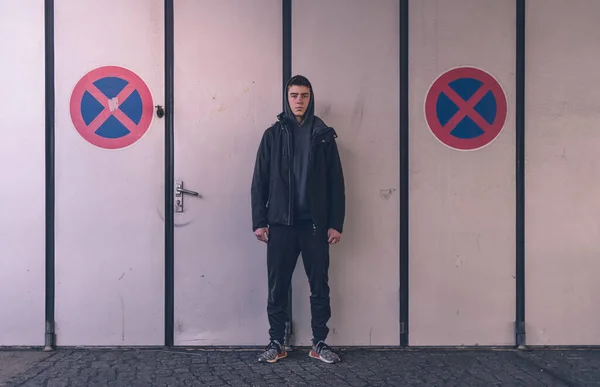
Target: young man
<point>298,206</point>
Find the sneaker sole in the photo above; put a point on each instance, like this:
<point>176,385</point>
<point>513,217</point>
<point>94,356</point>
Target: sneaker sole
<point>279,357</point>
<point>315,355</point>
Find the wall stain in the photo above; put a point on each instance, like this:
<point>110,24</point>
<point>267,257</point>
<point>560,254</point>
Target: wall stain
<point>386,193</point>
<point>459,261</point>
<point>359,109</point>
<point>326,110</point>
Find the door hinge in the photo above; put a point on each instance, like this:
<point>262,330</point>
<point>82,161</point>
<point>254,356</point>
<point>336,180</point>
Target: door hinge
<point>50,336</point>
<point>520,334</point>
<point>402,328</point>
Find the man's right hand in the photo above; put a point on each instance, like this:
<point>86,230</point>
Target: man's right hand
<point>262,234</point>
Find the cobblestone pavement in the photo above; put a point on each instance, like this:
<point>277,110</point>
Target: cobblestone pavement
<point>359,367</point>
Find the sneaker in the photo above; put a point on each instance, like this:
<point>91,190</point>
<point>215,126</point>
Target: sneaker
<point>273,352</point>
<point>323,352</point>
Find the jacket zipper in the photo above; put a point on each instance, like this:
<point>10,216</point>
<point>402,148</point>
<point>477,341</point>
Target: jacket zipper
<point>290,160</point>
<point>290,183</point>
<point>310,155</point>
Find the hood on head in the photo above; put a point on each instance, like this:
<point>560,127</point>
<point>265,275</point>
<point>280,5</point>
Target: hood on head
<point>310,110</point>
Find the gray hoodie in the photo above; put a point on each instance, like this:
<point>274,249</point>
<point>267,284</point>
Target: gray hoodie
<point>301,139</point>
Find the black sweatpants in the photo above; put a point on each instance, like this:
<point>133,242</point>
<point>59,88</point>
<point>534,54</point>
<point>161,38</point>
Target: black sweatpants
<point>284,246</point>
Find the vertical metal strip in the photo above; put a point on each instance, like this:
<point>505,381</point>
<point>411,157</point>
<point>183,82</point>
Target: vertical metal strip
<point>50,205</point>
<point>404,170</point>
<point>287,41</point>
<point>520,175</point>
<point>287,74</point>
<point>169,175</point>
<point>404,178</point>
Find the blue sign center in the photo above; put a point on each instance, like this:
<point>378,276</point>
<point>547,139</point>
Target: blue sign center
<point>131,107</point>
<point>466,88</point>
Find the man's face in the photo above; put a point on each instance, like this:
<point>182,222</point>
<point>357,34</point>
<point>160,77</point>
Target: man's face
<point>298,98</point>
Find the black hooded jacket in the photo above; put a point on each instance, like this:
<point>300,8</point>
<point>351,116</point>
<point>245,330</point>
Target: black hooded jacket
<point>287,186</point>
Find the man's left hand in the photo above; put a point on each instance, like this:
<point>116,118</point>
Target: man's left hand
<point>333,236</point>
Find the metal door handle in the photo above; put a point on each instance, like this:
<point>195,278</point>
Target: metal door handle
<point>179,191</point>
<point>187,191</point>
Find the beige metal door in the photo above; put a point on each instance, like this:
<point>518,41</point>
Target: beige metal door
<point>109,172</point>
<point>349,51</point>
<point>562,166</point>
<point>227,92</point>
<point>462,204</point>
<point>22,168</point>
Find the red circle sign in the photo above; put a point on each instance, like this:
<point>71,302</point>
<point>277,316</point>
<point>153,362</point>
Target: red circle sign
<point>111,107</point>
<point>465,108</point>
